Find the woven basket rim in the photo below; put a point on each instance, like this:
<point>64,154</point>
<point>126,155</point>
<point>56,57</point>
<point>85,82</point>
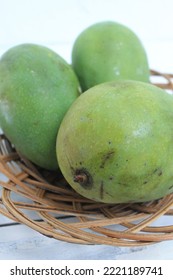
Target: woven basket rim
<point>65,215</point>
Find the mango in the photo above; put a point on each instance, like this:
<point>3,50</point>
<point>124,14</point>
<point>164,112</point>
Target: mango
<point>108,51</point>
<point>115,143</point>
<point>37,86</point>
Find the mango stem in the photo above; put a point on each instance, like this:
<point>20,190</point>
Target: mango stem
<point>81,178</point>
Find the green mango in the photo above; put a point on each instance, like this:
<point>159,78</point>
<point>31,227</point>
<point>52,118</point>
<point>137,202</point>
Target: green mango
<point>108,51</point>
<point>37,86</point>
<point>115,143</point>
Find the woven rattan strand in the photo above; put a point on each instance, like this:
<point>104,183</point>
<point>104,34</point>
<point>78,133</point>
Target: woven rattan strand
<point>43,201</point>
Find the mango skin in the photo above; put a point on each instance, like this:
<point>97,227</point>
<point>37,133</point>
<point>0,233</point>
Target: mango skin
<point>115,144</point>
<point>37,86</point>
<point>108,51</point>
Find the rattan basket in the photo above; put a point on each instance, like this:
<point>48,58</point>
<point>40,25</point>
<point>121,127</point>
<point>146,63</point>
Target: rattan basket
<point>45,202</point>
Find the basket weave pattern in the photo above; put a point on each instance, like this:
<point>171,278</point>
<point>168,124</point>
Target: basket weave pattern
<point>45,202</point>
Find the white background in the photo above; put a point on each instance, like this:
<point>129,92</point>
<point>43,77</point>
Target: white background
<point>56,24</point>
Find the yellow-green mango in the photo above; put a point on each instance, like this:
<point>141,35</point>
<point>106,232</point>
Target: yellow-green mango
<point>37,86</point>
<point>108,51</point>
<point>115,143</point>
